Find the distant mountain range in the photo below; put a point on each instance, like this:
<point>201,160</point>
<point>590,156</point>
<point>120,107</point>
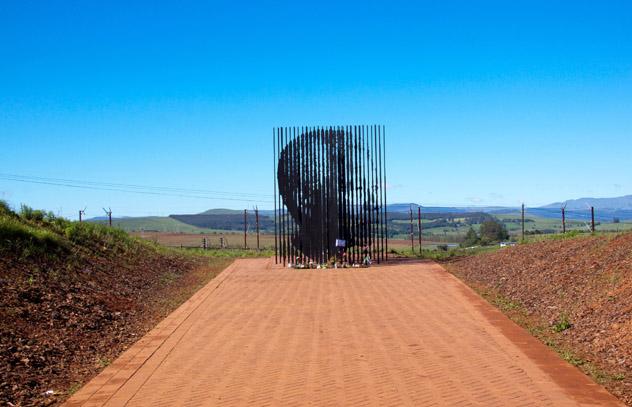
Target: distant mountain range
<point>619,203</point>
<point>606,210</point>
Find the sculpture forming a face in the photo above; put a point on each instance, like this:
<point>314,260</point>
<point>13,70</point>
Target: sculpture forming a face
<point>328,187</point>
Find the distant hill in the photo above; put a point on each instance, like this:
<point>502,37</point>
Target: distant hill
<point>618,203</point>
<point>405,207</point>
<point>222,211</point>
<point>226,221</point>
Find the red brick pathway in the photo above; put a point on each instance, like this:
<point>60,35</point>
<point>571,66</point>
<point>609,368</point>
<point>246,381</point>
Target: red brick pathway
<point>408,335</point>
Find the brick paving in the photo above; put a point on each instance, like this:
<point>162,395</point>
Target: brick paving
<point>397,335</point>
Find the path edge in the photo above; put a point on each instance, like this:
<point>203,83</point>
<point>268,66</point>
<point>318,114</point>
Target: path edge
<point>574,382</point>
<point>133,358</point>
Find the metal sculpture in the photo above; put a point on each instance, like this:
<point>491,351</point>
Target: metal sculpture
<point>329,193</point>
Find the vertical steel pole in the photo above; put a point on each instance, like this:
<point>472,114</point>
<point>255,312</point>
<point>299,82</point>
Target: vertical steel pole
<point>365,215</point>
<point>385,188</point>
<point>563,220</point>
<point>274,164</point>
<point>376,197</point>
<point>301,179</point>
<point>375,193</point>
<point>374,190</point>
<point>358,154</point>
<point>361,187</point>
<point>321,179</point>
<point>350,194</point>
<point>283,206</point>
<point>314,188</point>
<point>348,190</point>
<point>301,189</point>
<point>367,186</point>
<point>331,196</point>
<point>294,182</point>
<point>592,219</point>
<point>354,193</point>
<point>321,194</point>
<point>340,184</point>
<point>310,193</point>
<point>381,191</point>
<point>288,216</point>
<point>369,166</point>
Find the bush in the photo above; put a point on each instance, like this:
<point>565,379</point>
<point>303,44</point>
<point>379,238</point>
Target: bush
<point>493,231</point>
<point>471,239</point>
<point>28,213</point>
<point>27,240</point>
<point>5,209</point>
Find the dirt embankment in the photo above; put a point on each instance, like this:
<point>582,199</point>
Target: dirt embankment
<point>575,294</point>
<point>66,312</point>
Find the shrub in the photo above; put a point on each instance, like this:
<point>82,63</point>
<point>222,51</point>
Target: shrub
<point>27,240</point>
<point>471,238</point>
<point>493,231</point>
<point>5,209</point>
<point>28,213</point>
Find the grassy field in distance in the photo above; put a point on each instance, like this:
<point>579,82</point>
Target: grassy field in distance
<point>171,232</point>
<point>154,223</point>
<point>233,239</point>
<point>548,225</point>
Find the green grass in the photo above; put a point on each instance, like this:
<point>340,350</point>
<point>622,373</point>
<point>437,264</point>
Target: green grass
<point>552,224</point>
<point>443,255</point>
<point>550,337</point>
<point>562,324</point>
<point>550,227</point>
<point>28,240</point>
<point>227,253</point>
<point>39,233</point>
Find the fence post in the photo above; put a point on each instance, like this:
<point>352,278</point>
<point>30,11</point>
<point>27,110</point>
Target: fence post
<point>412,235</point>
<point>523,221</point>
<point>592,219</point>
<point>257,224</point>
<point>419,225</point>
<point>245,228</point>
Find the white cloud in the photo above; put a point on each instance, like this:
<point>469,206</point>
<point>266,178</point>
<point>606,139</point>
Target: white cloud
<point>474,199</point>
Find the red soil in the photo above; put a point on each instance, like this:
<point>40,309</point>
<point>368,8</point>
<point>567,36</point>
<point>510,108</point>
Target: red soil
<point>586,281</point>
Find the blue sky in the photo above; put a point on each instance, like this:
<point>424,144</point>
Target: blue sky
<point>484,103</point>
